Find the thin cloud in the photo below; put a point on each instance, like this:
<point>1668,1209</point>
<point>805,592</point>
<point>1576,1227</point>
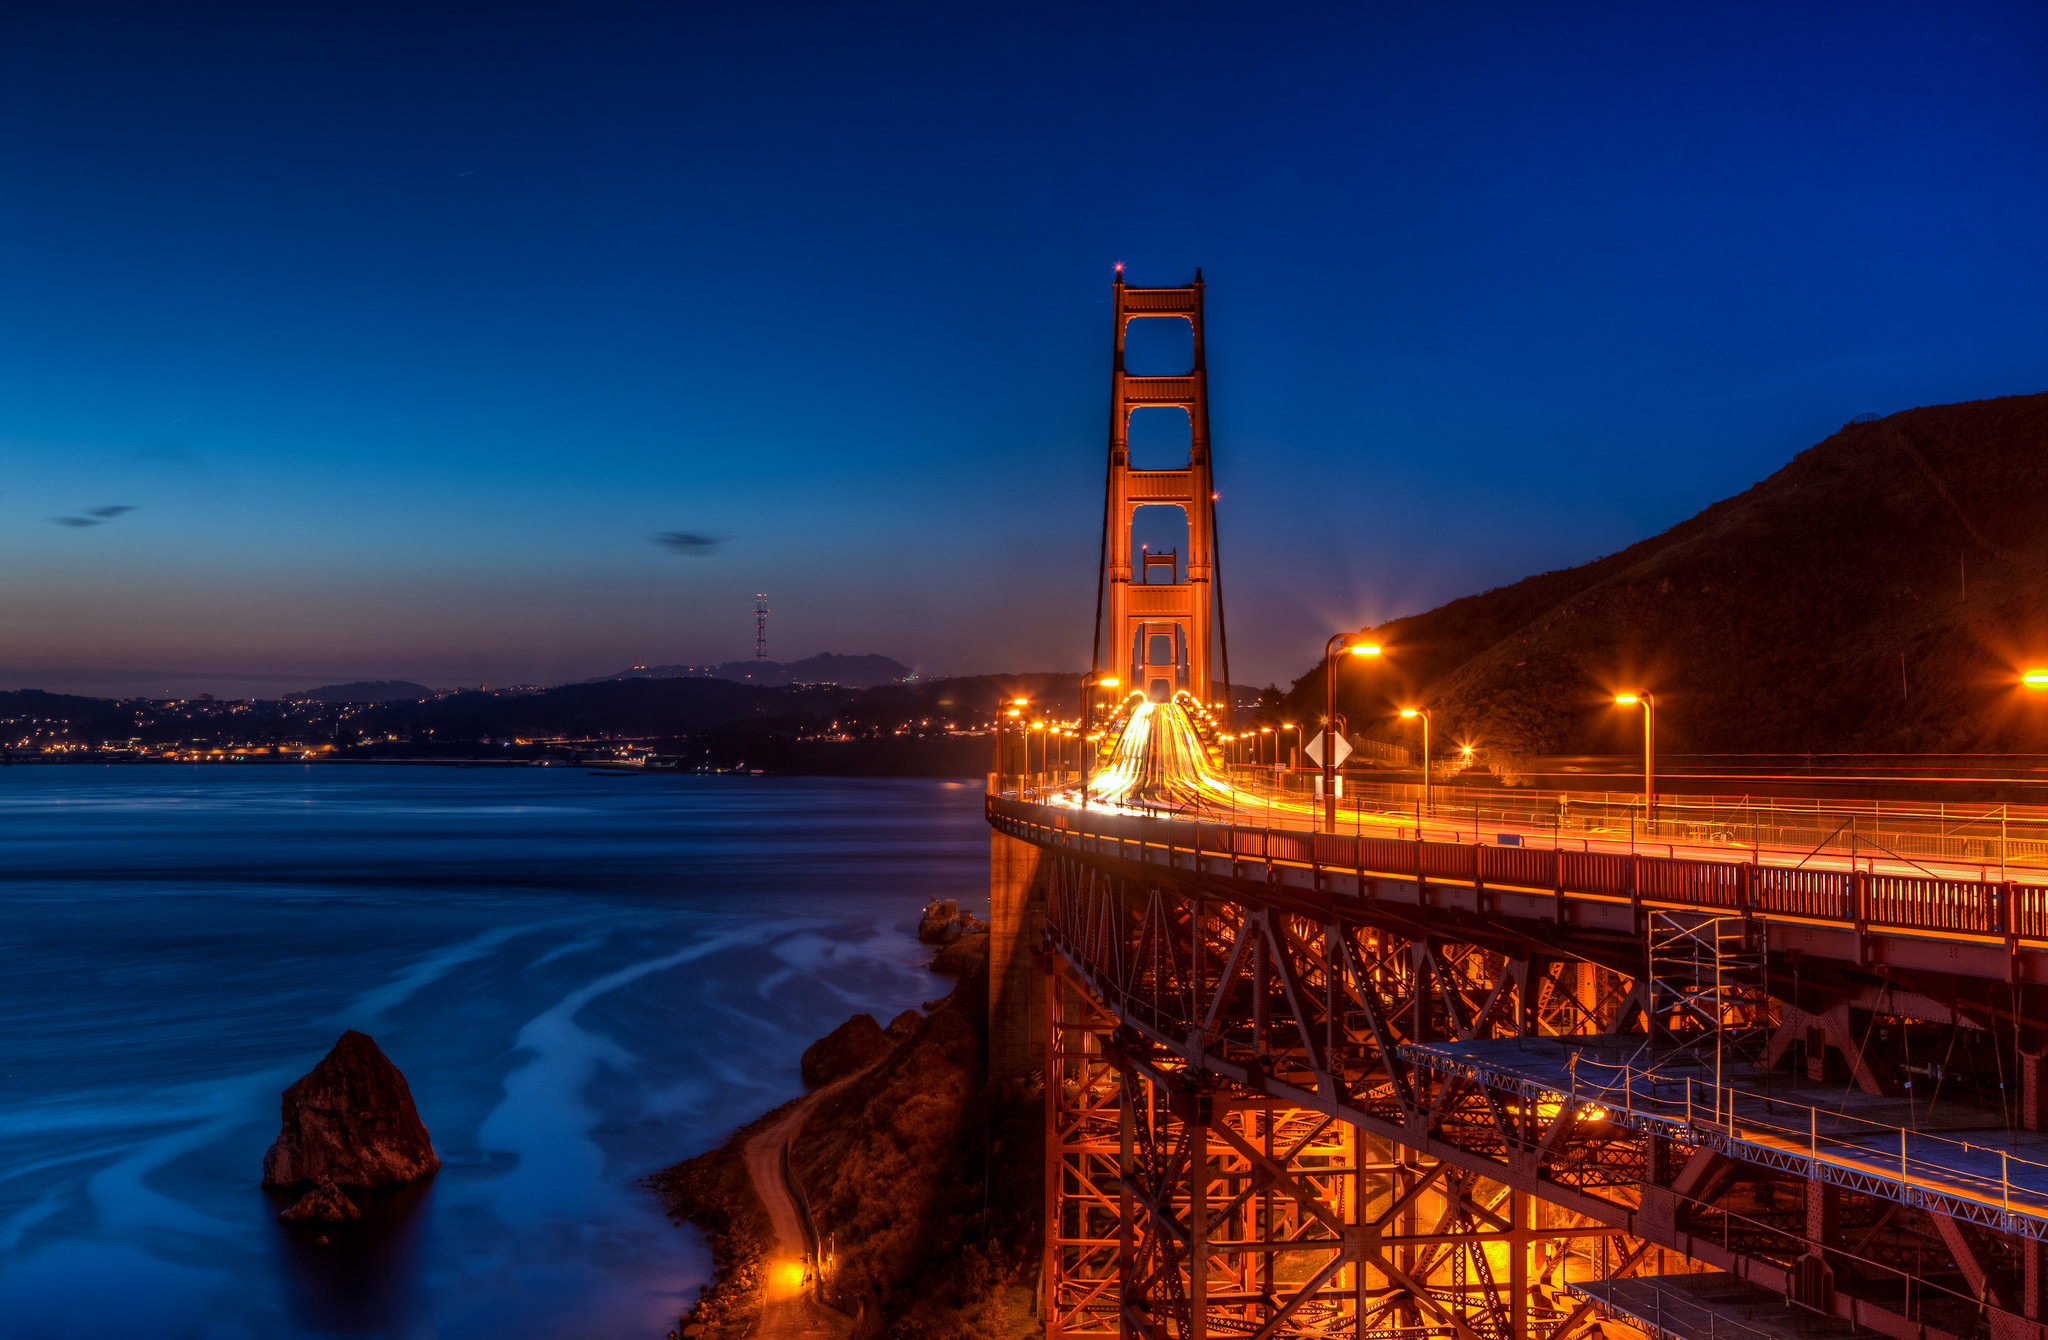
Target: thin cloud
<point>687,542</point>
<point>96,516</point>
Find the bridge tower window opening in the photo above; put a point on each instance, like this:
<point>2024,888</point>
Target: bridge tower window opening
<point>1160,439</point>
<point>1157,531</point>
<point>1160,660</point>
<point>1159,346</point>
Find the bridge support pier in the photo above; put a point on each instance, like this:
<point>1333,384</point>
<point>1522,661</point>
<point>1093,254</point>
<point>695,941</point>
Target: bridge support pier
<point>1016,987</point>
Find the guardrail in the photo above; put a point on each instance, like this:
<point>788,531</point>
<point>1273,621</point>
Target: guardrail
<point>1903,1155</point>
<point>1989,836</point>
<point>1989,1183</point>
<point>1855,897</point>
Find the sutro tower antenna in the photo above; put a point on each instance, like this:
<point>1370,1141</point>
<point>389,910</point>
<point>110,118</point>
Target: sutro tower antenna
<point>760,627</point>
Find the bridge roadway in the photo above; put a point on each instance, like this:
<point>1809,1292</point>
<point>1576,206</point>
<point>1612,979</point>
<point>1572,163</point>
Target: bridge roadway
<point>1397,984</point>
<point>1441,884</point>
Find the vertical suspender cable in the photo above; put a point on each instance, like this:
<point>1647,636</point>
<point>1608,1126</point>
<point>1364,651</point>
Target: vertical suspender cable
<point>1216,575</point>
<point>1101,582</point>
<point>1108,486</point>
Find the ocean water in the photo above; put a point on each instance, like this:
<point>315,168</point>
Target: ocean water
<point>583,978</point>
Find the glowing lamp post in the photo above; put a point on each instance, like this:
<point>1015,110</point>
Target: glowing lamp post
<point>1016,710</point>
<point>1649,706</point>
<point>1088,688</point>
<point>1268,730</point>
<point>1422,714</point>
<point>1339,642</point>
<point>2035,679</point>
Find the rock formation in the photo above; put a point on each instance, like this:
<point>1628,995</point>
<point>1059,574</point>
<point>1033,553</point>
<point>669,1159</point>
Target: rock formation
<point>943,922</point>
<point>962,955</point>
<point>903,1025</point>
<point>854,1045</point>
<point>350,1122</point>
<point>326,1203</point>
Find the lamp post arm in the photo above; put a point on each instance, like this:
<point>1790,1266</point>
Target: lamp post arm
<point>1650,750</point>
<point>1426,778</point>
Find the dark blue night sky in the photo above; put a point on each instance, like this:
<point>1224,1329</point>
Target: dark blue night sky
<point>405,328</point>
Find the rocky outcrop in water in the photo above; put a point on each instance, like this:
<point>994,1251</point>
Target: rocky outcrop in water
<point>943,922</point>
<point>349,1123</point>
<point>854,1045</point>
<point>326,1203</point>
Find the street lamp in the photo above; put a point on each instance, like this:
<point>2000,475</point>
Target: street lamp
<point>2035,679</point>
<point>1285,726</point>
<point>1088,687</point>
<point>1037,726</point>
<point>1649,704</point>
<point>1268,730</point>
<point>1002,751</point>
<point>1422,714</point>
<point>1016,709</point>
<point>1337,641</point>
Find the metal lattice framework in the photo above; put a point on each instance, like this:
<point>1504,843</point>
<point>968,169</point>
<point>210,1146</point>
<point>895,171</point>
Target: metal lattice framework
<point>1185,1201</point>
<point>1259,1123</point>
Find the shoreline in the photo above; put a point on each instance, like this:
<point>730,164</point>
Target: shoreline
<point>714,1193</point>
<point>918,1179</point>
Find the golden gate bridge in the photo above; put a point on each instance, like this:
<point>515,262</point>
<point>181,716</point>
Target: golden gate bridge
<point>1359,1068</point>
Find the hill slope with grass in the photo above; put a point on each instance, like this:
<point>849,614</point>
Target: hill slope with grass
<point>1879,593</point>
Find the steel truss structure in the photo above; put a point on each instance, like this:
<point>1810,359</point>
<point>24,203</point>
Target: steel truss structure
<point>1187,1201</point>
<point>1257,1124</point>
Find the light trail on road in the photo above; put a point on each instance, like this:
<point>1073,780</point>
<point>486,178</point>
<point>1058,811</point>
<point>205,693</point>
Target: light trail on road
<point>1162,763</point>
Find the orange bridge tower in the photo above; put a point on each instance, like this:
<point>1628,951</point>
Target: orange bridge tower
<point>1159,631</point>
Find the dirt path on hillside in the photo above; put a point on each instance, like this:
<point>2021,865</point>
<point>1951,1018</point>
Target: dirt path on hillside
<point>786,1313</point>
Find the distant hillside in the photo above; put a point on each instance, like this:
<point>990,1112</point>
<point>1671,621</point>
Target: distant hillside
<point>1878,593</point>
<point>853,672</point>
<point>364,691</point>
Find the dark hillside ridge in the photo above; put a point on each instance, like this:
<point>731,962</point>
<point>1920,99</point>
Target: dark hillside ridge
<point>1776,620</point>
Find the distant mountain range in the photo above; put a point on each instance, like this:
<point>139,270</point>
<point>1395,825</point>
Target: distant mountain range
<point>853,672</point>
<point>364,691</point>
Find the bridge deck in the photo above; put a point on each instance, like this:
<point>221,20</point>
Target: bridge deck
<point>1713,1307</point>
<point>1954,1157</point>
<point>1973,928</point>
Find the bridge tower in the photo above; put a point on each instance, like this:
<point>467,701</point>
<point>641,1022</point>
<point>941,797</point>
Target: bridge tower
<point>1159,633</point>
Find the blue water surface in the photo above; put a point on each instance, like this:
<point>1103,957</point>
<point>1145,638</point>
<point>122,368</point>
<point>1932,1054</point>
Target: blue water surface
<point>584,978</point>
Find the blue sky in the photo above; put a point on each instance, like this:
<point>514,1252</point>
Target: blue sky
<point>406,328</point>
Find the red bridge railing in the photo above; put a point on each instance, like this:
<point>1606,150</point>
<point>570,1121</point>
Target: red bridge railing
<point>1902,902</point>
